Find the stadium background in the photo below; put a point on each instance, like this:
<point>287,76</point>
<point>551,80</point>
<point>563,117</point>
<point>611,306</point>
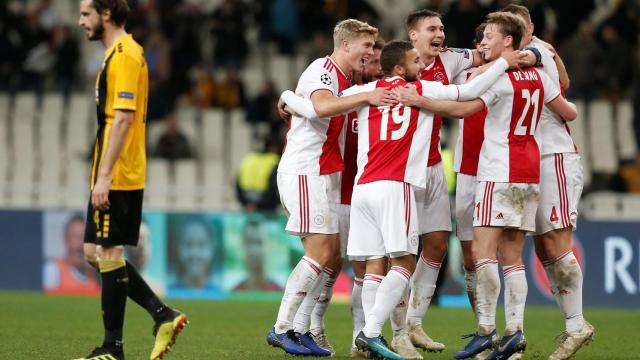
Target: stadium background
<point>216,70</point>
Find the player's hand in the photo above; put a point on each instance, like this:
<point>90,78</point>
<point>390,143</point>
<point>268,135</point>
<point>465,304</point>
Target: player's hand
<point>382,97</point>
<point>282,111</point>
<point>408,95</point>
<point>514,58</point>
<point>100,193</point>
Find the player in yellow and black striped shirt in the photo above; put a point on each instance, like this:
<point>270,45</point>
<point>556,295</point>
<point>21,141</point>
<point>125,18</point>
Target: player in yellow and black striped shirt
<point>117,180</point>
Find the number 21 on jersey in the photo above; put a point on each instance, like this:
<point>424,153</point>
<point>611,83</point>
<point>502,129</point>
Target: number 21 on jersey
<point>526,124</point>
<point>397,114</point>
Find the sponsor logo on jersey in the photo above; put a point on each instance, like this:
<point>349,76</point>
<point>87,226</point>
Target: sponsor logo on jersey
<point>125,95</point>
<point>500,216</point>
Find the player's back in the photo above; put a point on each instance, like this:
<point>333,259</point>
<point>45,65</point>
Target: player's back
<point>510,151</point>
<point>393,141</point>
<point>313,146</point>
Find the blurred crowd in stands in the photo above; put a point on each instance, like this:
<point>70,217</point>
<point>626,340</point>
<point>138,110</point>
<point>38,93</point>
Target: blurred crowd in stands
<point>197,50</point>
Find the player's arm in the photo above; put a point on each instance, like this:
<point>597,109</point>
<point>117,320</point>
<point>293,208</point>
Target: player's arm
<point>326,104</point>
<point>567,110</point>
<point>528,57</point>
<point>562,72</point>
<point>299,105</point>
<point>117,137</point>
<point>454,109</point>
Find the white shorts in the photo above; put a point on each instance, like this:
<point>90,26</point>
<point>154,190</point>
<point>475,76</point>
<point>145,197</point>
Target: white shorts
<point>465,196</point>
<point>510,205</point>
<point>344,212</point>
<point>561,185</point>
<point>383,220</point>
<point>310,202</point>
<point>434,209</point>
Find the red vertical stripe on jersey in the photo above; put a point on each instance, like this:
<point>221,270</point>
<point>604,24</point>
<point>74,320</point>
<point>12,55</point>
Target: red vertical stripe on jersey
<point>331,157</point>
<point>472,139</point>
<point>436,73</point>
<point>350,158</point>
<point>524,154</point>
<point>562,190</point>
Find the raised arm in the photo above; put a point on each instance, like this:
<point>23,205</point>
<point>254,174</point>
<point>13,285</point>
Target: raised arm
<point>326,104</point>
<point>453,109</point>
<point>300,105</point>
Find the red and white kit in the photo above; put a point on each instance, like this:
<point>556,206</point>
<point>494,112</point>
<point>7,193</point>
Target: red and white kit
<point>434,210</point>
<point>309,170</point>
<point>465,162</point>
<point>561,178</point>
<point>350,152</point>
<point>391,151</point>
<point>507,193</point>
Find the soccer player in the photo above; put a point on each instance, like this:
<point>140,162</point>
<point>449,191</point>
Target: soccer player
<point>507,192</point>
<point>561,185</point>
<point>467,155</point>
<point>117,180</point>
<point>309,178</point>
<point>426,32</point>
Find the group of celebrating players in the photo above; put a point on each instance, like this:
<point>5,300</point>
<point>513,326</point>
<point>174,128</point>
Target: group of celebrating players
<point>361,176</point>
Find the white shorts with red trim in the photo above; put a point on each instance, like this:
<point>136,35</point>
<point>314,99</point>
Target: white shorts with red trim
<point>383,220</point>
<point>465,196</point>
<point>344,212</point>
<point>434,209</point>
<point>310,202</point>
<point>511,205</point>
<point>561,185</point>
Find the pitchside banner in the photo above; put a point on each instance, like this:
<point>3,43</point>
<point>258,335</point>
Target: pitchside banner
<point>250,256</point>
<point>609,254</point>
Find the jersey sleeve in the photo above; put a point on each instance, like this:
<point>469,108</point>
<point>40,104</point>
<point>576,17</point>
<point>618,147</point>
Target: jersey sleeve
<point>456,60</point>
<point>437,91</point>
<point>548,62</point>
<point>127,70</point>
<point>357,89</point>
<point>490,96</point>
<point>551,90</point>
<point>317,78</point>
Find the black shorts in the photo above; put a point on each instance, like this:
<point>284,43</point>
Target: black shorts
<point>120,225</point>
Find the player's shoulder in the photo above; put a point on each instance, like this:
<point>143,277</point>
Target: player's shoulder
<point>449,52</point>
<point>130,48</point>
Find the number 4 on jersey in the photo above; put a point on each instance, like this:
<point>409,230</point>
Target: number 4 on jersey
<point>554,215</point>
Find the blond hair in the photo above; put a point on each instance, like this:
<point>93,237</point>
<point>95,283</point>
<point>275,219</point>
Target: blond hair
<point>351,28</point>
<point>510,25</point>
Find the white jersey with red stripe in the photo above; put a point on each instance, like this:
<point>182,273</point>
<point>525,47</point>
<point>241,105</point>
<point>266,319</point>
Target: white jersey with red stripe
<point>393,141</point>
<point>313,145</point>
<point>510,150</point>
<point>470,136</point>
<point>446,66</point>
<point>554,134</point>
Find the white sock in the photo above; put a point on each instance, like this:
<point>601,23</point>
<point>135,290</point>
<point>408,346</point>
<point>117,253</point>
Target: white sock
<point>515,297</point>
<point>303,315</point>
<point>387,297</point>
<point>487,293</point>
<point>317,315</point>
<point>565,275</point>
<point>299,284</point>
<point>470,285</point>
<point>423,285</point>
<point>369,290</point>
<point>398,317</point>
<point>357,313</point>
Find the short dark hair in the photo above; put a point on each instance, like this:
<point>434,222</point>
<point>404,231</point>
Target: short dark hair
<point>379,44</point>
<point>119,9</point>
<point>510,25</point>
<point>414,17</point>
<point>393,53</point>
<point>479,34</point>
<point>518,10</point>
<point>75,218</point>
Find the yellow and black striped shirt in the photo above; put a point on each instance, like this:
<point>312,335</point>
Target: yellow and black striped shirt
<point>123,84</point>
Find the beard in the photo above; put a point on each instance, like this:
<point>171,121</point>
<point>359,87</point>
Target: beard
<point>97,33</point>
<point>411,77</point>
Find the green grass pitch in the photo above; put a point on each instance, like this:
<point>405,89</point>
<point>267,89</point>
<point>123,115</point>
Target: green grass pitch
<point>36,326</point>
